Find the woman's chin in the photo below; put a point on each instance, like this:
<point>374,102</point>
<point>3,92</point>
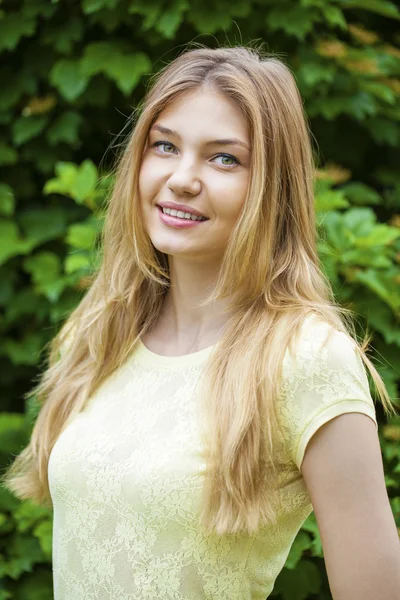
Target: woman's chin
<point>173,248</point>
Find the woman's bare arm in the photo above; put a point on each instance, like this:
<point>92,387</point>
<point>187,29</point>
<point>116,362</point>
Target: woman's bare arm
<point>343,471</point>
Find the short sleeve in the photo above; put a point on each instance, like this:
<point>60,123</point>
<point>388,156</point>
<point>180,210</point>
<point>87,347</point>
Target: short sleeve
<point>323,379</point>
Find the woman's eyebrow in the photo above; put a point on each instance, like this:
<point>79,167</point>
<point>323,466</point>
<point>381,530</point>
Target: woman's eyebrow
<point>221,142</point>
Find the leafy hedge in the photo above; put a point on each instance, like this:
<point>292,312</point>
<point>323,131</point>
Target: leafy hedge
<point>71,73</point>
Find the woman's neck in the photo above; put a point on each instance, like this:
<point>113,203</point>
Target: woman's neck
<point>184,326</point>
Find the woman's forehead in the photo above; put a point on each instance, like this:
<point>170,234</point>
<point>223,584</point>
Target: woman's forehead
<point>207,114</point>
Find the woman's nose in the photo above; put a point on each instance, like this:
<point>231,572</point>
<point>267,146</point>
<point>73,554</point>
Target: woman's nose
<point>184,179</point>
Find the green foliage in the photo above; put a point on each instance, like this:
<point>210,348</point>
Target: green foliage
<point>298,584</point>
<point>71,76</point>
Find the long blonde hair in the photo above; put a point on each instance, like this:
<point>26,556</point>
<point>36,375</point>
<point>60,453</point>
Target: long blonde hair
<point>274,240</point>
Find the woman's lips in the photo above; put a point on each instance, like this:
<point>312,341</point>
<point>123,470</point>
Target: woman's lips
<point>181,207</point>
<point>177,222</point>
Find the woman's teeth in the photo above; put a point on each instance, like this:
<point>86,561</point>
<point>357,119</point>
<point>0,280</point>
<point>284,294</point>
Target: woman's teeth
<point>182,215</point>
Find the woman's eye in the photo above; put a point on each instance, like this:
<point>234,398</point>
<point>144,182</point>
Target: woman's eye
<point>157,144</point>
<point>228,157</point>
<point>168,148</point>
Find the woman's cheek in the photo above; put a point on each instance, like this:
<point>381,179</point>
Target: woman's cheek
<point>146,179</point>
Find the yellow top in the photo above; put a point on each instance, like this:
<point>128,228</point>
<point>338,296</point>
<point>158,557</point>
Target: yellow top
<point>125,478</point>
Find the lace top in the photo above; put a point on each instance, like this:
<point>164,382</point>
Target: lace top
<point>126,473</point>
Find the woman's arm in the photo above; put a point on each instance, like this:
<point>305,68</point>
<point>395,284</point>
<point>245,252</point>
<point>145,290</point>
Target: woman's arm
<point>343,472</point>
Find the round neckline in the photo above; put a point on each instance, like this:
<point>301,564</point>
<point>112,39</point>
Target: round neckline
<point>145,355</point>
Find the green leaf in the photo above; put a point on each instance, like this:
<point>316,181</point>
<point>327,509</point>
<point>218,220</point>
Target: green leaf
<point>381,235</point>
<point>335,233</point>
<point>61,37</point>
<point>77,261</point>
<point>65,129</point>
<point>82,235</point>
<point>11,93</point>
<point>380,318</point>
<point>299,583</point>
<point>359,193</point>
<point>62,184</point>
<point>13,434</point>
<point>127,70</point>
<point>68,78</point>
<point>35,8</point>
<point>360,105</point>
<point>11,243</point>
<point>6,288</point>
<point>77,182</point>
<point>40,155</point>
<point>93,6</point>
<point>295,20</point>
<point>384,284</point>
<point>4,595</point>
<point>220,17</point>
<point>37,585</point>
<point>13,27</point>
<point>98,93</point>
<point>25,302</point>
<point>44,267</point>
<point>329,261</point>
<point>365,257</point>
<point>43,224</point>
<point>383,131</point>
<point>330,200</point>
<point>29,514</point>
<point>359,221</point>
<point>26,351</point>
<point>8,502</point>
<point>381,7</point>
<point>387,176</point>
<point>390,482</point>
<point>108,58</point>
<point>6,525</point>
<point>15,567</point>
<point>8,155</point>
<point>7,200</point>
<point>85,182</point>
<point>170,20</point>
<point>26,128</point>
<point>311,525</point>
<point>104,187</point>
<point>96,56</point>
<point>333,15</point>
<point>67,302</point>
<point>44,532</point>
<point>150,10</point>
<point>313,72</point>
<point>301,542</point>
<point>380,90</point>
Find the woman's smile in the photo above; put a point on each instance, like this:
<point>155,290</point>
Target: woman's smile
<point>178,219</point>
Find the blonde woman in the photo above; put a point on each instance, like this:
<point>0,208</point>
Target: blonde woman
<point>210,393</point>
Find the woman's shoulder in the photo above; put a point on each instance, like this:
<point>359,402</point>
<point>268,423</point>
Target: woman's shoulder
<point>320,343</point>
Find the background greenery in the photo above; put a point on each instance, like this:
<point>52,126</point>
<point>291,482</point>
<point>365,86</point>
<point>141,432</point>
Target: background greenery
<point>71,73</point>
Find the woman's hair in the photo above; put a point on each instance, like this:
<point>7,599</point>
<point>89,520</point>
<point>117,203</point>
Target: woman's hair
<point>270,270</point>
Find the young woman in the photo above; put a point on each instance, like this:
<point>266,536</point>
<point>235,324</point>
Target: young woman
<point>210,393</point>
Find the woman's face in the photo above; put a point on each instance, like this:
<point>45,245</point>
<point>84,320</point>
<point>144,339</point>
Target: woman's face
<point>196,161</point>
